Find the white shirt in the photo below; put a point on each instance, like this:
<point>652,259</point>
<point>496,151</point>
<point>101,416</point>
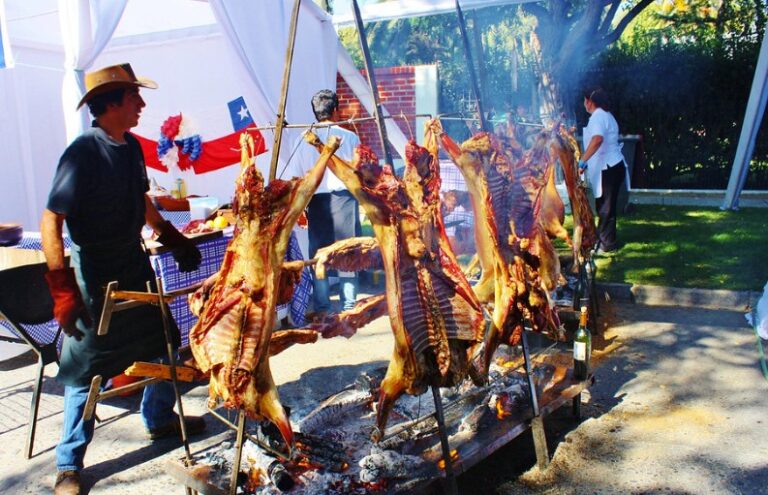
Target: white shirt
<point>602,123</point>
<point>306,156</point>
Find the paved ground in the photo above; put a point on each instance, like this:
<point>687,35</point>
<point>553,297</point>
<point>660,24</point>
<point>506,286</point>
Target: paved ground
<point>678,407</point>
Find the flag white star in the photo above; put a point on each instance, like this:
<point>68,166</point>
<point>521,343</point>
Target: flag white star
<point>243,113</point>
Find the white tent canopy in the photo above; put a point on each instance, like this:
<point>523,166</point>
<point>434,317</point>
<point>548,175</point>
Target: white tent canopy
<point>202,54</point>
<point>397,9</point>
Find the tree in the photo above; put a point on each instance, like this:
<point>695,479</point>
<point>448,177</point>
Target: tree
<point>570,34</point>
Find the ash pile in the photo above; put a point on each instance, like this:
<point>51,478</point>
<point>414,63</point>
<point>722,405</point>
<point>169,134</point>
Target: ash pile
<point>334,453</point>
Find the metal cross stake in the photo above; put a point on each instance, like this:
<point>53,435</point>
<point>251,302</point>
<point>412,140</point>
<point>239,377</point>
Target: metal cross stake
<point>471,67</point>
<point>377,113</point>
<point>450,478</point>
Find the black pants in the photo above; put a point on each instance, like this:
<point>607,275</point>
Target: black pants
<point>611,178</point>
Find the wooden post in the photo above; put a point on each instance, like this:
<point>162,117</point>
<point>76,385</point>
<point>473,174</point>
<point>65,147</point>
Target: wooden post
<point>372,83</point>
<point>172,362</point>
<point>238,452</point>
<point>284,90</point>
<point>537,423</point>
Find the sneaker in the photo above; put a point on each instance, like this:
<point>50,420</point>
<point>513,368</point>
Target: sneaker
<point>195,425</point>
<point>605,252</point>
<point>67,483</point>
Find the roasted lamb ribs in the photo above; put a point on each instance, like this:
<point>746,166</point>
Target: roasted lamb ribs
<point>231,339</point>
<point>517,259</point>
<point>436,319</point>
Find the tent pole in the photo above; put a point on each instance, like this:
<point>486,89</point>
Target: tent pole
<point>284,90</point>
<point>752,118</point>
<point>372,83</point>
<point>471,67</point>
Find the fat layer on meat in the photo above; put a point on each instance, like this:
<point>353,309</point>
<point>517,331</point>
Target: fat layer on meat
<point>436,319</point>
<point>231,339</point>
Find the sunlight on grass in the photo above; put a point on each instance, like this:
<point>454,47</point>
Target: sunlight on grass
<point>689,247</point>
<point>723,237</point>
<point>659,223</point>
<point>713,216</point>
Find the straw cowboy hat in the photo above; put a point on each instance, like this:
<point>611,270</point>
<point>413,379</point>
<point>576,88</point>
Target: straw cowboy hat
<point>113,77</point>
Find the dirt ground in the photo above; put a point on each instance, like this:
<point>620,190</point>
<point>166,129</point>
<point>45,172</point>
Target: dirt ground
<point>678,406</point>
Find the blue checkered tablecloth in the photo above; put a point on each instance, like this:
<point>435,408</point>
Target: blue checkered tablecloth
<point>451,178</point>
<point>458,218</point>
<point>172,279</point>
<point>31,240</point>
<point>178,218</point>
<point>43,333</point>
<point>213,254</point>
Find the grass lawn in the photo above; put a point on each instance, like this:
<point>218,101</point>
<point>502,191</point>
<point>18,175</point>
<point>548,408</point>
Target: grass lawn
<point>695,247</point>
<point>683,246</point>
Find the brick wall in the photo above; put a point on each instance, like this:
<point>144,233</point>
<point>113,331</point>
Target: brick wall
<point>397,92</point>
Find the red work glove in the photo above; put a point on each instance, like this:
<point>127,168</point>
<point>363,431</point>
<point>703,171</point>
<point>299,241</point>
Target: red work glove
<point>184,251</point>
<point>67,301</point>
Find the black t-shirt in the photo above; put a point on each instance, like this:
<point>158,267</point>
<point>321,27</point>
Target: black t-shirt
<point>99,186</point>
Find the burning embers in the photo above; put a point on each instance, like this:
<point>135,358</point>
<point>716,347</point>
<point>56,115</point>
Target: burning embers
<point>334,452</point>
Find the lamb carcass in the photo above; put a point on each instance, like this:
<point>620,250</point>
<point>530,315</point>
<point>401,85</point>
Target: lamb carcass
<point>436,319</point>
<point>231,340</point>
<point>506,200</point>
<point>565,148</point>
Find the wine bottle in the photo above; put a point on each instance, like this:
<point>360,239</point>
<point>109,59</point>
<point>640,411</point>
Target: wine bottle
<point>582,347</point>
<point>275,470</point>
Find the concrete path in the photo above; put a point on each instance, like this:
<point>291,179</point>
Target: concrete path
<point>679,406</point>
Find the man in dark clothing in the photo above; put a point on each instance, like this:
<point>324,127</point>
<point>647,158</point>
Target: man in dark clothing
<point>333,213</point>
<point>99,191</point>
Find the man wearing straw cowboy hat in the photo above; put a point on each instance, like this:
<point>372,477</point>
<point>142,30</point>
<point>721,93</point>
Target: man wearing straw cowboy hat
<point>99,191</point>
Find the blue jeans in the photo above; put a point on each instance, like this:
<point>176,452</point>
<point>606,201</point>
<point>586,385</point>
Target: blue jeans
<point>156,410</point>
<point>347,293</point>
<point>333,217</point>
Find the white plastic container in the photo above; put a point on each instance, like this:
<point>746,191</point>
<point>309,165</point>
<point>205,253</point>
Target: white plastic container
<point>200,208</point>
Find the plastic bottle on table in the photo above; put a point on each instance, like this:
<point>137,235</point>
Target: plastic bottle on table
<point>181,188</point>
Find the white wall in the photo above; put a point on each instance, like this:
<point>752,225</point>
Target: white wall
<point>31,134</point>
<point>197,77</point>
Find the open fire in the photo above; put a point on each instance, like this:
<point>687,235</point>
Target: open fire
<point>334,452</point>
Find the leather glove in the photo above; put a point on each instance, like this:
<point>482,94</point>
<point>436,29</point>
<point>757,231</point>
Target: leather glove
<point>184,251</point>
<point>582,166</point>
<point>67,301</point>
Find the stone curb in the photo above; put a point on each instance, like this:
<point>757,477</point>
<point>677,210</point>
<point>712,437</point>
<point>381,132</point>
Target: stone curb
<point>651,295</point>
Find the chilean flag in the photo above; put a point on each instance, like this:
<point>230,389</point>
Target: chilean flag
<point>241,117</point>
<point>6,59</point>
<point>216,153</point>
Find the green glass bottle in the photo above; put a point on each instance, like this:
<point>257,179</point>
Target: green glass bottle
<point>582,347</point>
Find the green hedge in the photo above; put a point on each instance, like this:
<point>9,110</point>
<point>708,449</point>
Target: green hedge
<point>689,107</point>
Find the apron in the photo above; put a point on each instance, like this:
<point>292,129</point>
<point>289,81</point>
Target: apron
<point>112,209</point>
<point>133,335</point>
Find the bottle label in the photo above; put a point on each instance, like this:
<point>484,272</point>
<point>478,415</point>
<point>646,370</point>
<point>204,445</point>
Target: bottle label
<point>580,351</point>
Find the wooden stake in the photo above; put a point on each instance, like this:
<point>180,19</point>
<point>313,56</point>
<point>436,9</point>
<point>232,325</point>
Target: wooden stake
<point>284,90</point>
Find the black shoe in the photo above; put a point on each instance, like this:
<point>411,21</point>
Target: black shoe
<point>67,483</point>
<point>195,425</point>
